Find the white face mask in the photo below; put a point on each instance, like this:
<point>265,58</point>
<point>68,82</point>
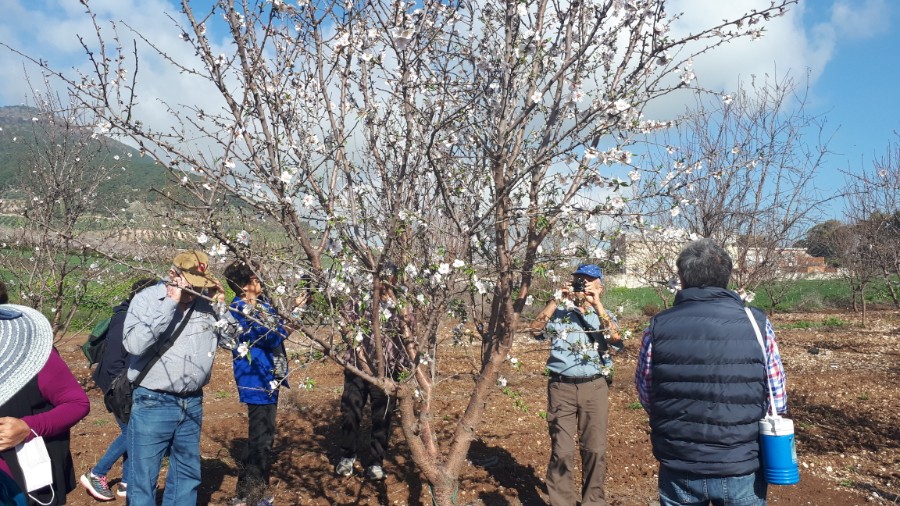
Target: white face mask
<point>34,460</point>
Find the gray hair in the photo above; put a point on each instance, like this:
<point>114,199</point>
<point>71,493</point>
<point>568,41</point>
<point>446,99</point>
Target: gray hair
<point>704,263</point>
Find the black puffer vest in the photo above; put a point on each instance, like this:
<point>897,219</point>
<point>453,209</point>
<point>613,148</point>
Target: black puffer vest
<point>709,384</point>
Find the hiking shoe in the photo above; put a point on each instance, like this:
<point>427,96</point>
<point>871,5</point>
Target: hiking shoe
<point>345,466</point>
<point>97,487</point>
<point>268,501</point>
<point>122,489</point>
<point>375,472</point>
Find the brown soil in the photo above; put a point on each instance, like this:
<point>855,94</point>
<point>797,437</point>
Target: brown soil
<point>844,394</point>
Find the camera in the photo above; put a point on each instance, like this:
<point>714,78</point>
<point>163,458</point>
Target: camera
<point>578,285</point>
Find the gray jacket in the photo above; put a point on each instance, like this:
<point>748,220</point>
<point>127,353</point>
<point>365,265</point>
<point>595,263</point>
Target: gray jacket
<point>186,366</point>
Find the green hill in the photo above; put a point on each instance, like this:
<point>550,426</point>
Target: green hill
<point>128,175</point>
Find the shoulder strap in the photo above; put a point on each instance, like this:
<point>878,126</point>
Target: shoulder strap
<point>165,347</point>
<point>762,345</point>
<point>594,335</point>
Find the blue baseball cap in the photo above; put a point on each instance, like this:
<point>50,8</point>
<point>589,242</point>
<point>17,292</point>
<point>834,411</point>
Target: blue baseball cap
<point>590,270</point>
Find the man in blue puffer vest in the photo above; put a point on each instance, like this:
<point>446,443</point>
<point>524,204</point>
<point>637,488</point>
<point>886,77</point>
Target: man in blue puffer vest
<point>702,378</point>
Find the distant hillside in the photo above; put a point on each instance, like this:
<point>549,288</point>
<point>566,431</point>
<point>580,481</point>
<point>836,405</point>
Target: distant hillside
<point>132,175</point>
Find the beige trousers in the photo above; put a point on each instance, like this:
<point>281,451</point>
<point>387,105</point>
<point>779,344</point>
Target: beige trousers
<point>583,407</point>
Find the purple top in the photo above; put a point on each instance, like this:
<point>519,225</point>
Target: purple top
<point>60,388</point>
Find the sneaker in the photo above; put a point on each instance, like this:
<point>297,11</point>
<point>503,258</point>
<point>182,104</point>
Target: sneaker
<point>345,466</point>
<point>375,472</point>
<point>122,489</point>
<point>97,487</point>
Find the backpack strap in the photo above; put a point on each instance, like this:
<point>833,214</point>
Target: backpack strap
<point>160,351</point>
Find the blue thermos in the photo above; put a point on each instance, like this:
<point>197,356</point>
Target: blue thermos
<point>779,450</point>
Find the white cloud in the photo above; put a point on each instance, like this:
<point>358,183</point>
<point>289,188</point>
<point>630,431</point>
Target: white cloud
<point>860,20</point>
<point>792,44</point>
<point>49,31</point>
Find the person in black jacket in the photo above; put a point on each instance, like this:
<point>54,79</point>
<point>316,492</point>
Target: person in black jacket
<point>114,362</point>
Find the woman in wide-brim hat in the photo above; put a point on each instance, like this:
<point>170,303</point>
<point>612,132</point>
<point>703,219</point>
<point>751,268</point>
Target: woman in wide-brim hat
<point>39,396</point>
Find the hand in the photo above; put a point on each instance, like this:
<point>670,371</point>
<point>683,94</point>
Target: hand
<point>12,432</point>
<point>301,299</point>
<point>220,292</point>
<point>174,286</point>
<point>593,292</point>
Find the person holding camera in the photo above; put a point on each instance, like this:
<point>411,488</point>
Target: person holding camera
<point>582,333</point>
<point>172,326</point>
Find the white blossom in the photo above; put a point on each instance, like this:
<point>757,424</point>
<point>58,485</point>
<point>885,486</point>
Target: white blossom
<point>218,250</point>
<point>202,238</point>
<point>621,105</point>
<point>401,37</point>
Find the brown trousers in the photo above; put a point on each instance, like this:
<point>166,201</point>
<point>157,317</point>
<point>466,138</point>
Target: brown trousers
<point>584,407</point>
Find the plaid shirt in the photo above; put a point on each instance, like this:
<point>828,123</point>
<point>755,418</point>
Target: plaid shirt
<point>775,370</point>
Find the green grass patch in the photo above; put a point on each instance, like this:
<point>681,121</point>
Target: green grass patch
<point>799,324</point>
<point>833,321</point>
<point>811,294</point>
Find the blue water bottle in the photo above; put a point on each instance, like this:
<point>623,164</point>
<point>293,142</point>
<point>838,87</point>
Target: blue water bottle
<point>779,450</point>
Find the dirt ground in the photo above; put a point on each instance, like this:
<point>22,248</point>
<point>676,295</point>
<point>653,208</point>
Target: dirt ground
<point>844,397</point>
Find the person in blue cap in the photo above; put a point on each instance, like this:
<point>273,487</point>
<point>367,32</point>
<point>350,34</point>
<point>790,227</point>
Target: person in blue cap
<point>582,333</point>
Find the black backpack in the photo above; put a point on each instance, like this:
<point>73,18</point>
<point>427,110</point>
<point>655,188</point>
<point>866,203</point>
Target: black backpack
<point>95,345</point>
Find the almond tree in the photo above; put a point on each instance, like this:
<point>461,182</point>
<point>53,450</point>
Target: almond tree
<point>742,170</point>
<point>873,205</point>
<point>448,138</point>
<point>50,258</point>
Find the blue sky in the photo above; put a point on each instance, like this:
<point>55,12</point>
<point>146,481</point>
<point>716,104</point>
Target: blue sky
<point>846,46</point>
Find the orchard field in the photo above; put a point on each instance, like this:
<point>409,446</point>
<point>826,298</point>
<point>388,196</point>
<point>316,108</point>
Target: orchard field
<point>844,393</point>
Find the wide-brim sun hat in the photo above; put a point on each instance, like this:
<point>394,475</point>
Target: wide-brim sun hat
<point>25,342</point>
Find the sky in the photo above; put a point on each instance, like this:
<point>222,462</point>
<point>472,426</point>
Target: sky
<point>845,47</point>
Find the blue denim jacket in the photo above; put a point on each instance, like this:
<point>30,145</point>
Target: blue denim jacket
<point>572,353</point>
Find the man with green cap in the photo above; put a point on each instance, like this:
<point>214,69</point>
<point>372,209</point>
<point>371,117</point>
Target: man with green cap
<point>171,327</point>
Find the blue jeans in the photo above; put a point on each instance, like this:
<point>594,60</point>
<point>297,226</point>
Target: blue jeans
<point>679,488</point>
<point>162,422</point>
<point>118,448</point>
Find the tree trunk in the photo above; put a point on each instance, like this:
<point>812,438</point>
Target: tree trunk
<point>445,492</point>
<point>862,298</point>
